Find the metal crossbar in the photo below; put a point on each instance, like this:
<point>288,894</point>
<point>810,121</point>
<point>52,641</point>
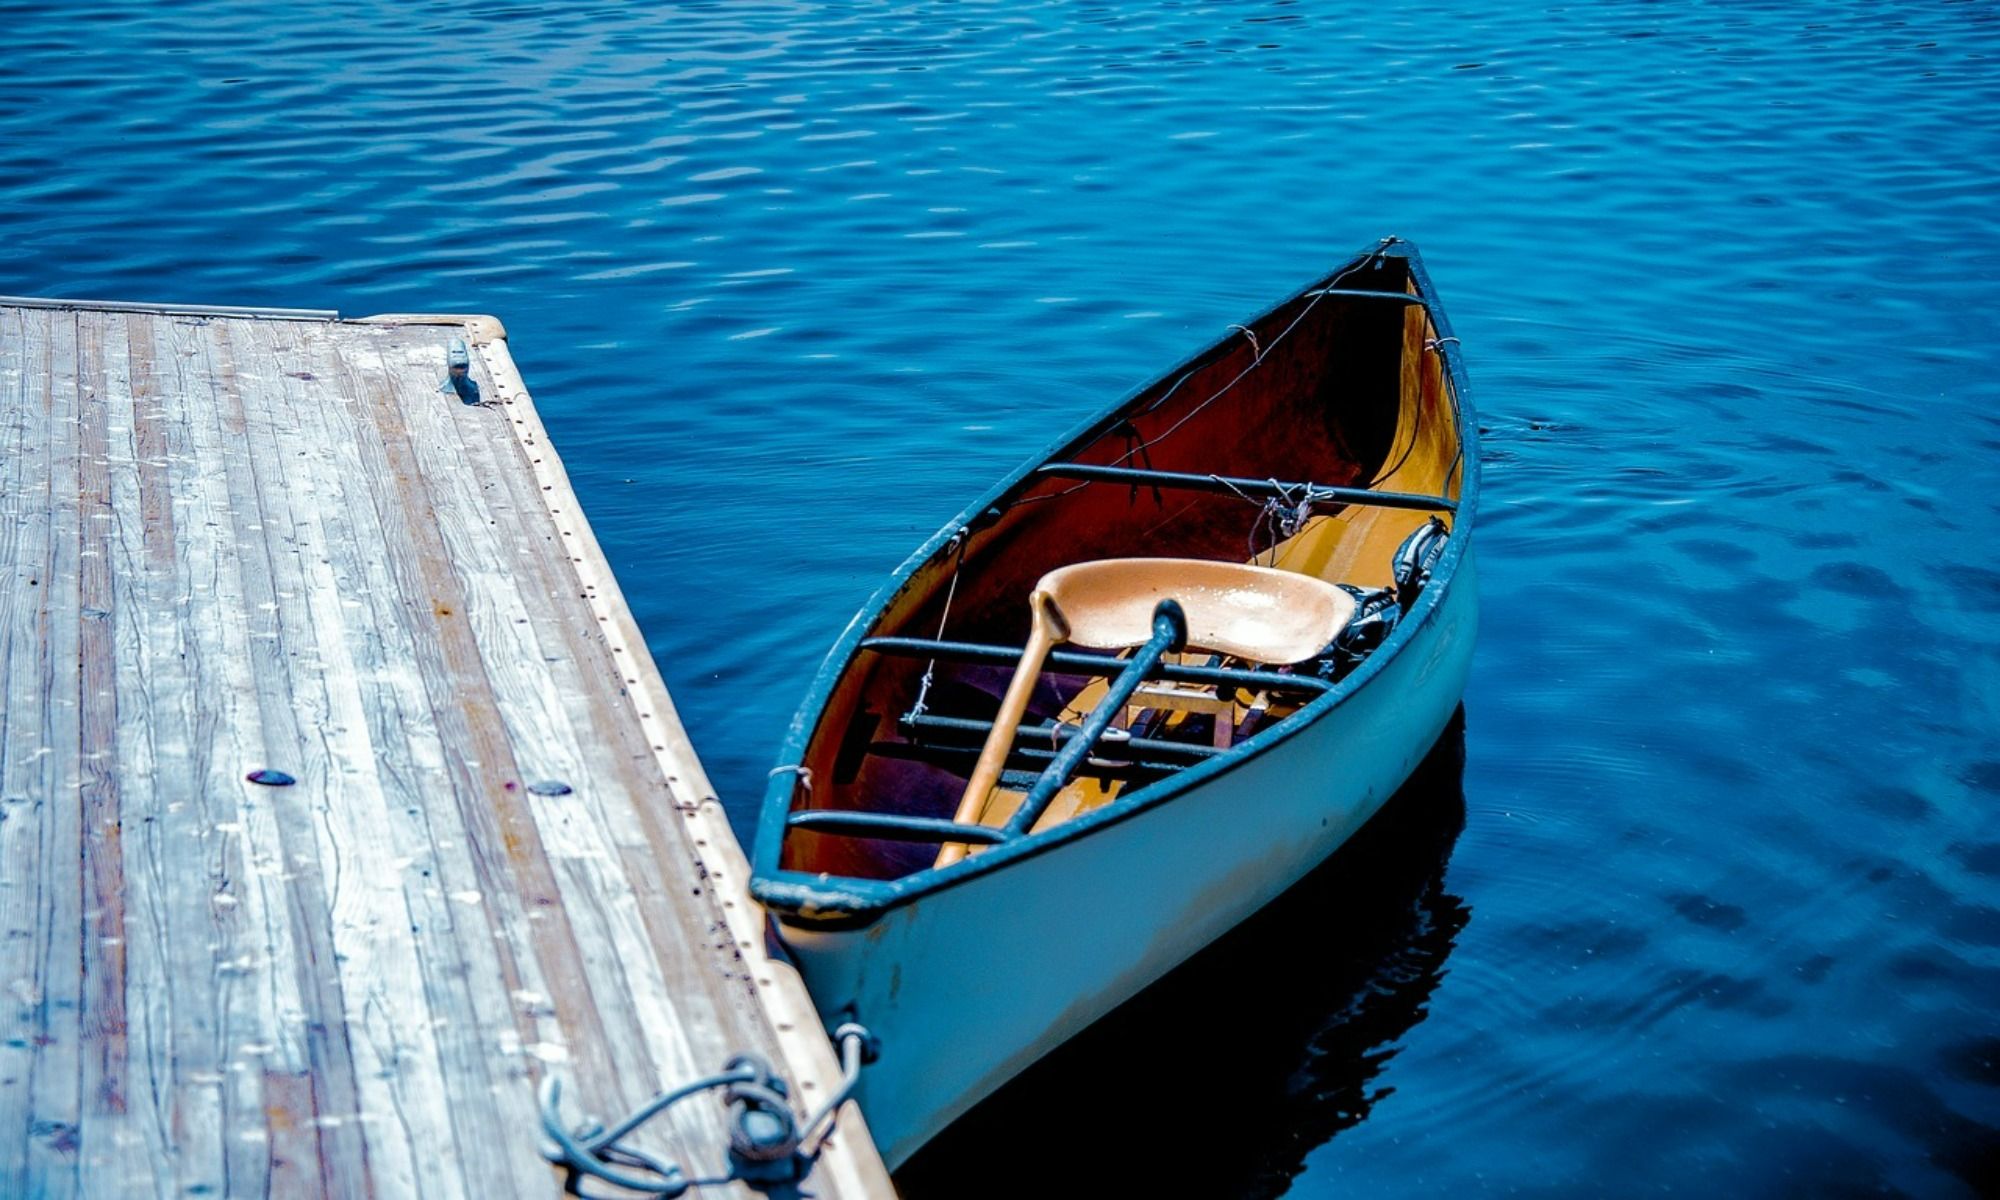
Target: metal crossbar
<point>1372,294</point>
<point>1080,662</point>
<point>1238,486</point>
<point>1025,764</point>
<point>1073,745</point>
<point>893,827</point>
<point>1051,735</point>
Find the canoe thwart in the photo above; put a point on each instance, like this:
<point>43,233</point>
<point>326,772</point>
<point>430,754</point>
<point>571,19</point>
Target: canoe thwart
<point>1081,662</point>
<point>1024,765</point>
<point>892,827</point>
<point>1042,737</point>
<point>1255,488</point>
<point>1371,294</point>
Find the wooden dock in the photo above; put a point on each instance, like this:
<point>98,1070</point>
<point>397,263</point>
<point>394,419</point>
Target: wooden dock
<point>236,541</point>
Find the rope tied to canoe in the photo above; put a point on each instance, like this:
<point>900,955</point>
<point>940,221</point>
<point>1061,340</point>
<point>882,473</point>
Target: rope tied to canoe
<point>768,1144</point>
<point>1140,448</point>
<point>804,773</point>
<point>956,546</point>
<point>1258,354</point>
<point>1279,517</point>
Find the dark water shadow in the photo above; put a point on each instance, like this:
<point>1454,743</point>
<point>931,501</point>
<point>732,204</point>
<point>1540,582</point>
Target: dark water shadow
<point>1256,1051</point>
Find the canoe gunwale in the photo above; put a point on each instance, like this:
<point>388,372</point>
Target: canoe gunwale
<point>838,902</point>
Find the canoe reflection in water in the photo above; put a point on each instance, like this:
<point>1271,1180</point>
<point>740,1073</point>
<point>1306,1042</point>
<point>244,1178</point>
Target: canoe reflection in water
<point>1275,1064</point>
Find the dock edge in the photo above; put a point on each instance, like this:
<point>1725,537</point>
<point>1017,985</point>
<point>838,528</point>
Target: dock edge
<point>850,1155</point>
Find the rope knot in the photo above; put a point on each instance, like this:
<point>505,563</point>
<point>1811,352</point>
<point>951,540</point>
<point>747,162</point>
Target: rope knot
<point>804,773</point>
<point>768,1143</point>
<point>1256,351</point>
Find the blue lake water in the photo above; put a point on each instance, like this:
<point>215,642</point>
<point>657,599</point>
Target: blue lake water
<point>1712,901</point>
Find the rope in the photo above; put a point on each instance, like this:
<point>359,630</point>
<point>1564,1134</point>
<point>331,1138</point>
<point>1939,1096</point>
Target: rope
<point>958,541</point>
<point>1281,516</point>
<point>804,773</point>
<point>1258,355</point>
<point>1255,361</point>
<point>856,1050</point>
<point>767,1143</point>
<point>1435,346</point>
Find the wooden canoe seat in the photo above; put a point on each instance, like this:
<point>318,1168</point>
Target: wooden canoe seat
<point>1254,613</point>
<point>1245,611</point>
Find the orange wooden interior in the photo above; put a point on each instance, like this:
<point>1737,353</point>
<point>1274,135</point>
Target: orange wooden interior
<point>1351,396</point>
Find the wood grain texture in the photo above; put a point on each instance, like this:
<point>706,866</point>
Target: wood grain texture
<point>228,543</point>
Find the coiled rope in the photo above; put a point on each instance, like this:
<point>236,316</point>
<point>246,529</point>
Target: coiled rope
<point>767,1142</point>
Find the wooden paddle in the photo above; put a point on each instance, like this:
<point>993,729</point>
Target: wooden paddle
<point>1048,628</point>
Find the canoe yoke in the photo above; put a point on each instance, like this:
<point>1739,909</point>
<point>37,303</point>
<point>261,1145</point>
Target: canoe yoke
<point>1152,607</point>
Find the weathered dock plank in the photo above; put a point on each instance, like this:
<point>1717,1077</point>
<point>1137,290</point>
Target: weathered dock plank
<point>232,541</point>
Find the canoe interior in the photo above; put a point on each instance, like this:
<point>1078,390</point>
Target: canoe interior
<point>1328,389</point>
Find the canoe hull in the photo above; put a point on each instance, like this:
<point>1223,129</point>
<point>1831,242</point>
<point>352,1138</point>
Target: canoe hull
<point>968,986</point>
